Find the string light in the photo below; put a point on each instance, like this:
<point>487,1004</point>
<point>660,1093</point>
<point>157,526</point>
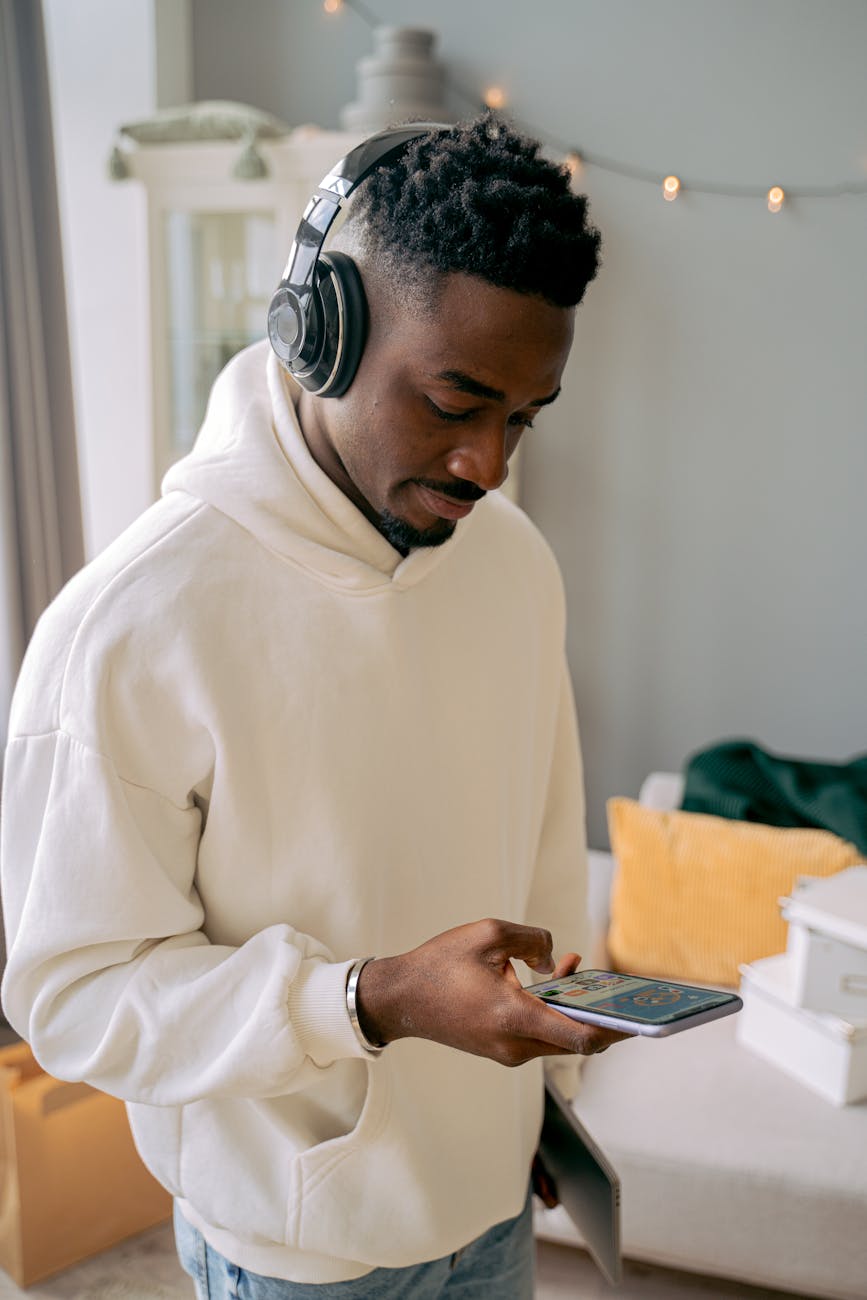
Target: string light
<point>575,161</point>
<point>495,97</point>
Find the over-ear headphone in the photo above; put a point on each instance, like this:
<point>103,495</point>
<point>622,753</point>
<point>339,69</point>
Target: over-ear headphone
<point>317,320</point>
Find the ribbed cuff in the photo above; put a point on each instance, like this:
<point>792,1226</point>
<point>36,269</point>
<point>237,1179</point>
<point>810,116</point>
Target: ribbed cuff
<point>319,1014</point>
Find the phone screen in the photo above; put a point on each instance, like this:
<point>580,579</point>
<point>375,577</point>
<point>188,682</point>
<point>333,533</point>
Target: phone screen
<point>630,997</point>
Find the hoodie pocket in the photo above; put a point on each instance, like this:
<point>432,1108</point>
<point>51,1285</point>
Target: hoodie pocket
<point>320,1162</point>
<point>156,1131</point>
<point>243,1164</point>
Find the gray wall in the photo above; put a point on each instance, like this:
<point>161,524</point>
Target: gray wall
<point>702,479</point>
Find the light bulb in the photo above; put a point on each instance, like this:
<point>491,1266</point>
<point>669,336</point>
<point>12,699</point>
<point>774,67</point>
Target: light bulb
<point>495,97</point>
<point>670,188</point>
<point>776,198</point>
<point>332,6</point>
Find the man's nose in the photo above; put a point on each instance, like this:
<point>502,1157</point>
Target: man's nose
<point>481,456</point>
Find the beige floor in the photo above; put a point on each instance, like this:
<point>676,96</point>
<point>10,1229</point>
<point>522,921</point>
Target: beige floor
<point>146,1268</point>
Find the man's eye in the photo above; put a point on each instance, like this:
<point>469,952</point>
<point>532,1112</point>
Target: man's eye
<point>516,421</point>
<point>447,415</point>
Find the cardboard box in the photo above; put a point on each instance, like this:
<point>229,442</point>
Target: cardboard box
<point>71,1181</point>
<point>825,1052</point>
<point>827,943</point>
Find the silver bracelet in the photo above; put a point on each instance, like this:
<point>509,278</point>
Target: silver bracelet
<point>352,1006</point>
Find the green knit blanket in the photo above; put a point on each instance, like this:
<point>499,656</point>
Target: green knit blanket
<point>744,782</point>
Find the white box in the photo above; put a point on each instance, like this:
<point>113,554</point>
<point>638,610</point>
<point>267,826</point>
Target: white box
<point>827,943</point>
<point>822,1051</point>
<point>828,975</point>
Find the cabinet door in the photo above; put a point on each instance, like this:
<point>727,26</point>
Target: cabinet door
<point>217,247</point>
<point>219,277</point>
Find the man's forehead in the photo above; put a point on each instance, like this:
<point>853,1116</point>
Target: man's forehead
<point>475,336</point>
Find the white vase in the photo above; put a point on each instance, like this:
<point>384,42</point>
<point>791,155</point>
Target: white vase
<point>400,82</point>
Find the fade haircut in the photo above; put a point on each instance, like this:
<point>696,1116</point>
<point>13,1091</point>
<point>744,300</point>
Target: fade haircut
<point>477,199</point>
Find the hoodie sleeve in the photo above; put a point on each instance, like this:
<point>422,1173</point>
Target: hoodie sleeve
<point>558,898</point>
<point>110,976</point>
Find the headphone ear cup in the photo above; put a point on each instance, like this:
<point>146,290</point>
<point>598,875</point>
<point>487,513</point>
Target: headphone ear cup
<point>345,321</point>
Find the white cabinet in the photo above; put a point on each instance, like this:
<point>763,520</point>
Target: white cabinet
<point>216,250</point>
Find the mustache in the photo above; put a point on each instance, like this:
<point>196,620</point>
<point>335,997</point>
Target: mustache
<point>459,489</point>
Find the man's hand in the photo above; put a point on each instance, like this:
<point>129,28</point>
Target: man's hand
<point>460,989</point>
<point>543,1184</point>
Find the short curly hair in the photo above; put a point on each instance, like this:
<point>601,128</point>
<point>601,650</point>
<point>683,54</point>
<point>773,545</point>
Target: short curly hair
<point>479,199</point>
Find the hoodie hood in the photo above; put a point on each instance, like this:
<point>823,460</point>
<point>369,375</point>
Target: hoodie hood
<point>250,462</point>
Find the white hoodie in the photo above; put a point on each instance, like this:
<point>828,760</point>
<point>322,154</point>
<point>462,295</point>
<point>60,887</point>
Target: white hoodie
<point>250,743</point>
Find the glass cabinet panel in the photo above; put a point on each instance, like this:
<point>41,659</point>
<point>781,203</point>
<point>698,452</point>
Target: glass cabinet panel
<point>220,273</point>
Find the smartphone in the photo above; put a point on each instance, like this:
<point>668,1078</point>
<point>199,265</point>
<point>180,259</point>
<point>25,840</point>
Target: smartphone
<point>633,1004</point>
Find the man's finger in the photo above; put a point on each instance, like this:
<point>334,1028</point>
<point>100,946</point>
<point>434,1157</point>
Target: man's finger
<point>527,943</point>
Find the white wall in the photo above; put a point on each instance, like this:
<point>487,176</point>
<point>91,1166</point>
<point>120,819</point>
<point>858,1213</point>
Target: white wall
<point>706,501</point>
<point>101,66</point>
<point>110,62</point>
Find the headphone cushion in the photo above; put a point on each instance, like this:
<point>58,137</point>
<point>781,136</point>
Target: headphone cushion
<point>346,320</point>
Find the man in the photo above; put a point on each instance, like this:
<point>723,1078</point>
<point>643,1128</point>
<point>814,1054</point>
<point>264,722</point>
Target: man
<point>311,708</point>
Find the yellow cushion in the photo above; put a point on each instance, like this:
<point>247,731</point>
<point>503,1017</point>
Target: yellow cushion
<point>694,896</point>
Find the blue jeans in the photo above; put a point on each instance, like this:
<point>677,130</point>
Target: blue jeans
<point>499,1265</point>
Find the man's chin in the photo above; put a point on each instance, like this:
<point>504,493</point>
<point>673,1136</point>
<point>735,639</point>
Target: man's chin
<point>405,537</point>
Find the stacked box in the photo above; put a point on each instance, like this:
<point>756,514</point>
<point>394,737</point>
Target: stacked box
<point>823,1051</point>
<point>806,1010</point>
<point>827,942</point>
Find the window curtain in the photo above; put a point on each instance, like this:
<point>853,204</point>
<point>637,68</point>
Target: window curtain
<point>40,510</point>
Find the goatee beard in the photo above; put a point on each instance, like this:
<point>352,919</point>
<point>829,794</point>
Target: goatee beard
<point>405,538</point>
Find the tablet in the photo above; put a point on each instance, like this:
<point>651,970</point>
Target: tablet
<point>587,1183</point>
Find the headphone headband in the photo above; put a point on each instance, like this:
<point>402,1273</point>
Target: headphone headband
<point>376,149</point>
<point>294,327</point>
